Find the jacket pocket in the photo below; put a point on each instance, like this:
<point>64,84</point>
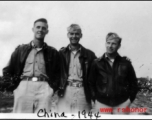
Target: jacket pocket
<point>28,65</point>
<point>102,85</point>
<point>41,66</point>
<point>122,70</point>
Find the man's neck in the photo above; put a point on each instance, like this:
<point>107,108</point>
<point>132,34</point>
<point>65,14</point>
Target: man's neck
<point>38,43</point>
<point>112,56</point>
<point>74,47</point>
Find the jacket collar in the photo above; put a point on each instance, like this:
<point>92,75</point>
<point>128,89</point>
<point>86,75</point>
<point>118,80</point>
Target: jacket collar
<point>82,51</point>
<point>103,57</point>
<point>44,45</point>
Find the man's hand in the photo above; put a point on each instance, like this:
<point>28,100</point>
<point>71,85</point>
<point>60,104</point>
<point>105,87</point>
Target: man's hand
<point>92,103</point>
<point>127,58</point>
<point>60,93</point>
<point>55,98</point>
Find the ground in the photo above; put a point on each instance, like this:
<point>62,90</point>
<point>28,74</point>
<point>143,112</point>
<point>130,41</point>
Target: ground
<point>142,100</point>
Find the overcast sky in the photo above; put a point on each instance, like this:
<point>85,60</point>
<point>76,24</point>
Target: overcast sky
<point>130,20</point>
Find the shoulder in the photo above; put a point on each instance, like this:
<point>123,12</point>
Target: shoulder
<point>21,46</point>
<point>125,59</point>
<point>62,49</point>
<point>98,59</point>
<point>51,48</point>
<point>88,51</point>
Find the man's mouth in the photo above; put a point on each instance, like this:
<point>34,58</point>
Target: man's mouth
<point>110,49</point>
<point>40,34</point>
<point>74,40</point>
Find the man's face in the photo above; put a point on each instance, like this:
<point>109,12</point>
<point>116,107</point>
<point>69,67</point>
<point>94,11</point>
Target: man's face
<point>74,36</point>
<point>112,46</point>
<point>40,29</point>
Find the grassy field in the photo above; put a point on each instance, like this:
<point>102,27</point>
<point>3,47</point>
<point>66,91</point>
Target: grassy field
<point>142,100</point>
<point>6,102</point>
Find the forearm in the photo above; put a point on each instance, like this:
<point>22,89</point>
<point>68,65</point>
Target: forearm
<point>133,84</point>
<point>92,81</point>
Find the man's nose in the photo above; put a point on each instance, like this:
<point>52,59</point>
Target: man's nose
<point>40,29</point>
<point>110,45</point>
<point>74,35</point>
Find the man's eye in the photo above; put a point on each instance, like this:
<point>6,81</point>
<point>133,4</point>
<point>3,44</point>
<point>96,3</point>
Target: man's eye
<point>44,28</point>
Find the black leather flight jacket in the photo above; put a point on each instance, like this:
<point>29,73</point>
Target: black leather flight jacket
<point>16,64</point>
<point>86,58</point>
<point>112,85</point>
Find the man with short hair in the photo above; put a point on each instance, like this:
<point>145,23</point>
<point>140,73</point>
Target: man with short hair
<point>112,79</point>
<point>75,65</point>
<point>33,72</point>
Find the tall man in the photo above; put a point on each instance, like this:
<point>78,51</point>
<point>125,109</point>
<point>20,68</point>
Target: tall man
<point>112,79</point>
<point>33,72</point>
<point>75,65</point>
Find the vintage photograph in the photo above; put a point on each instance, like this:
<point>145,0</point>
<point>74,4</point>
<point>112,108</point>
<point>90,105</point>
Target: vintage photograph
<point>76,59</point>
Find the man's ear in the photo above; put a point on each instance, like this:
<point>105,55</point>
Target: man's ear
<point>68,35</point>
<point>47,31</point>
<point>81,35</point>
<point>119,46</point>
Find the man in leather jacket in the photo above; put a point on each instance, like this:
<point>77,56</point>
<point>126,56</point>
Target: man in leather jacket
<point>75,65</point>
<point>112,79</point>
<point>33,72</point>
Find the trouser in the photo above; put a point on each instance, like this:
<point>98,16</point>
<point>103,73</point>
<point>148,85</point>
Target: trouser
<point>106,109</point>
<point>74,100</point>
<point>30,97</point>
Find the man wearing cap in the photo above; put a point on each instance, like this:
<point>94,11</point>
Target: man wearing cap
<point>112,80</point>
<point>33,72</point>
<point>75,65</point>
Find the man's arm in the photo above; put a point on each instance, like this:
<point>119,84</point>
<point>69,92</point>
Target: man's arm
<point>92,80</point>
<point>132,83</point>
<point>63,73</point>
<point>9,78</point>
<point>56,71</point>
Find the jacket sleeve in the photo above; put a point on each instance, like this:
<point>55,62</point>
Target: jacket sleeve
<point>9,76</point>
<point>92,80</point>
<point>56,71</point>
<point>132,83</point>
<point>63,74</point>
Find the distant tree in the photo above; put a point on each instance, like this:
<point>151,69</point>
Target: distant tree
<point>143,83</point>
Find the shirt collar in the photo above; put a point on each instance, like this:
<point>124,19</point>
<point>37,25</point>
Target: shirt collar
<point>112,60</point>
<point>34,46</point>
<point>79,49</point>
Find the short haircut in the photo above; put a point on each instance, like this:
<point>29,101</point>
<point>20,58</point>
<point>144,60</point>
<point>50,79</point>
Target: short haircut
<point>74,26</point>
<point>112,35</point>
<point>41,20</point>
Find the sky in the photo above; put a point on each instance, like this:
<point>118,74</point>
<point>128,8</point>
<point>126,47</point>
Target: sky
<point>131,20</point>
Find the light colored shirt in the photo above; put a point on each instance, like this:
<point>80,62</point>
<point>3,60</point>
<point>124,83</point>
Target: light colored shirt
<point>75,69</point>
<point>35,64</point>
<point>110,61</point>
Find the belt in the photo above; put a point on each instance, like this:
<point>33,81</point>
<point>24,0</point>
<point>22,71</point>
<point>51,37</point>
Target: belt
<point>73,84</point>
<point>34,79</point>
